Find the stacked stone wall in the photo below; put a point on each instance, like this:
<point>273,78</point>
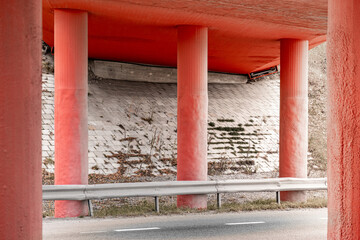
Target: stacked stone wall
<point>132,127</point>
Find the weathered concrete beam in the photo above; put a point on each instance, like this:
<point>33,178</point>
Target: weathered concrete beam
<point>157,74</point>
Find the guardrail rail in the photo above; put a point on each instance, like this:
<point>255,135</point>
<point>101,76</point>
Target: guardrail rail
<point>157,189</point>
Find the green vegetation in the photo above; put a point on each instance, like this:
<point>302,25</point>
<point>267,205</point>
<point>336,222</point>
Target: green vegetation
<point>47,67</point>
<point>226,120</point>
<point>234,133</point>
<point>223,148</point>
<point>229,129</point>
<point>48,161</point>
<point>95,167</point>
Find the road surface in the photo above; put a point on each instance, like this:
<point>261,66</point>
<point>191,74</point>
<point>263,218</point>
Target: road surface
<point>289,225</point>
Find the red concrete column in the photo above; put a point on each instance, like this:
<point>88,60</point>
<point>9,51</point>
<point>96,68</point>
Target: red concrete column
<point>343,134</point>
<point>192,111</point>
<point>293,113</point>
<point>71,89</point>
<point>20,120</point>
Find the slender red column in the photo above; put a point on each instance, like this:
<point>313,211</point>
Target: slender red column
<point>71,89</point>
<point>20,120</point>
<point>343,58</point>
<point>192,111</point>
<point>293,113</point>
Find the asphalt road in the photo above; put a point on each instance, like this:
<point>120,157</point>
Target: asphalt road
<point>289,225</point>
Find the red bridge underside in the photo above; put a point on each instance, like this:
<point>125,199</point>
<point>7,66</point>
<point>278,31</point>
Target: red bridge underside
<point>244,36</point>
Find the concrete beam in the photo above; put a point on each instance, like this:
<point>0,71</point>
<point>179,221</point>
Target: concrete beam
<point>156,74</point>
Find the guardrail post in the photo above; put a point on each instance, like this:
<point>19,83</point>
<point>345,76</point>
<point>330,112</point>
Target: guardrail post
<point>157,207</point>
<point>218,198</point>
<point>278,197</point>
<point>91,209</point>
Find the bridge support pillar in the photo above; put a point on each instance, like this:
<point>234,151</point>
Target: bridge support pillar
<point>71,90</point>
<point>192,93</point>
<point>343,134</point>
<point>293,113</point>
<point>20,120</point>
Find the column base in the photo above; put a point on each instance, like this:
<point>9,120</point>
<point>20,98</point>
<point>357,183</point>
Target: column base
<point>67,208</point>
<point>293,196</point>
<point>192,201</point>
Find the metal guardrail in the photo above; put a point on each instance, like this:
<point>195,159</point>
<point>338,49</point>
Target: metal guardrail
<point>157,189</point>
<point>152,189</point>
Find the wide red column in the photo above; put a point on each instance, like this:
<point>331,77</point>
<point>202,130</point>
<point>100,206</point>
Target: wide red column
<point>71,89</point>
<point>343,134</point>
<point>20,120</point>
<point>293,113</point>
<point>192,111</point>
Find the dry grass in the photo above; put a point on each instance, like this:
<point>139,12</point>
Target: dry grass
<point>146,207</point>
<point>317,110</point>
<point>270,204</point>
